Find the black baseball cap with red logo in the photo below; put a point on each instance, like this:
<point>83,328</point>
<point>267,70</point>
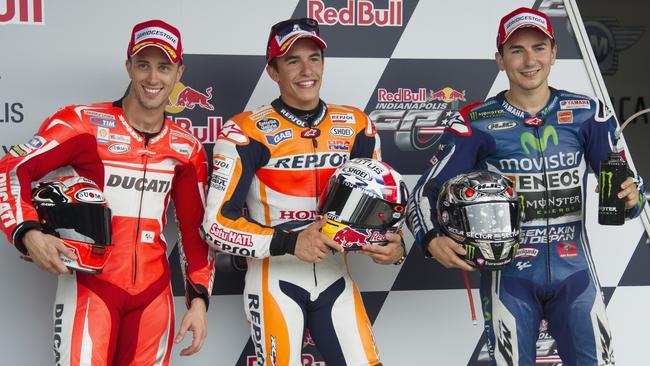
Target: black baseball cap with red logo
<point>285,33</point>
<point>520,18</point>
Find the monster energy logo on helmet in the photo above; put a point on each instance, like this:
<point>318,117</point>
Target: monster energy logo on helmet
<point>529,140</point>
<point>471,252</point>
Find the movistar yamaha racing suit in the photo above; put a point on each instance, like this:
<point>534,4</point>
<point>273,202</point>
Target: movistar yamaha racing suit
<point>552,276</point>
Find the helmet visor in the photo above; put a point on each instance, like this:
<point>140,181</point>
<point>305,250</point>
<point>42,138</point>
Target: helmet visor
<point>491,218</point>
<point>358,208</point>
<point>83,222</point>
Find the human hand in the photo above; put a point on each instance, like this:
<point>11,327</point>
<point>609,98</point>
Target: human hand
<point>447,252</point>
<point>44,250</point>
<point>629,193</point>
<point>195,320</point>
<point>385,254</point>
<point>312,246</point>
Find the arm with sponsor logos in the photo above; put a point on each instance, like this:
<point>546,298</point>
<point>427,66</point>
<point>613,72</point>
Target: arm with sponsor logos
<point>459,150</point>
<point>188,194</point>
<point>236,158</point>
<point>61,141</point>
<point>598,134</point>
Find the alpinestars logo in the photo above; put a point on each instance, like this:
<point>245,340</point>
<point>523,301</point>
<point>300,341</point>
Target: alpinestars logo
<point>504,343</point>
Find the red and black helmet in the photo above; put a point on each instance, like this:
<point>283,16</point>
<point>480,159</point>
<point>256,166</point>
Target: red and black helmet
<point>75,210</point>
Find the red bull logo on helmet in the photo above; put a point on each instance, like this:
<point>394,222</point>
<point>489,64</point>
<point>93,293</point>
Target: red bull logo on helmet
<point>350,238</point>
<point>359,12</point>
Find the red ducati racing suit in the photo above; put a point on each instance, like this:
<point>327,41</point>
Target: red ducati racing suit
<point>125,315</point>
<point>277,164</point>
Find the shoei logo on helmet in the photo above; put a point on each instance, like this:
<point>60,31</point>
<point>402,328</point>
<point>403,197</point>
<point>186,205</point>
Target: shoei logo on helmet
<point>90,195</point>
<point>527,140</point>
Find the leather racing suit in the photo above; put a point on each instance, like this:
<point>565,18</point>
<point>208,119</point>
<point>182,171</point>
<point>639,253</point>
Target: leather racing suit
<point>124,315</point>
<point>276,165</point>
<point>552,276</point>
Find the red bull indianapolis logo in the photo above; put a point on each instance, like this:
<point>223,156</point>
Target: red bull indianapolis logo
<point>187,97</point>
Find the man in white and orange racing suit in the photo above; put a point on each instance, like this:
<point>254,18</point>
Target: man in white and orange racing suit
<point>125,315</point>
<point>276,161</point>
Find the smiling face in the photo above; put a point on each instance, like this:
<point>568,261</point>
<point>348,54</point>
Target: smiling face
<point>527,58</point>
<point>298,74</point>
<point>153,77</point>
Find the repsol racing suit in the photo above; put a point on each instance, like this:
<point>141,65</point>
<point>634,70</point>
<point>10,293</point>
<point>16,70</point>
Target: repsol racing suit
<point>277,164</point>
<point>552,276</point>
<point>125,315</point>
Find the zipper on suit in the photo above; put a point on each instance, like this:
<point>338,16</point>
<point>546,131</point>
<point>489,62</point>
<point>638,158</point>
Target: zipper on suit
<point>137,226</point>
<point>546,208</point>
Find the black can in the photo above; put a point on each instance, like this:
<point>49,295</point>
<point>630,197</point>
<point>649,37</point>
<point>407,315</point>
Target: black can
<point>613,172</point>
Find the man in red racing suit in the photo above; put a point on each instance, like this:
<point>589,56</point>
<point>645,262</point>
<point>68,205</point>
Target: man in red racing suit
<point>276,161</point>
<point>125,315</point>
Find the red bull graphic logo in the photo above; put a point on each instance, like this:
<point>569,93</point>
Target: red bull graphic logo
<point>187,97</point>
<point>447,95</point>
<point>22,12</point>
<point>359,12</point>
<point>351,239</point>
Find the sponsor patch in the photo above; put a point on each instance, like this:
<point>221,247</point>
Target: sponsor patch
<point>36,142</point>
<point>119,148</point>
<point>575,104</point>
<point>222,165</point>
<point>567,250</point>
<point>564,117</point>
<point>102,135</point>
<point>120,138</point>
<point>218,182</point>
<point>501,125</point>
<point>147,236</point>
<point>338,145</point>
<point>183,149</point>
<point>267,125</point>
<point>310,133</point>
<point>103,122</point>
<point>99,114</point>
<point>90,195</point>
<point>341,131</point>
<point>526,252</point>
<point>347,118</point>
<point>279,137</point>
<point>19,150</point>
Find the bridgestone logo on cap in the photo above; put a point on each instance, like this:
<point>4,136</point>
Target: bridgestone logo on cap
<point>524,18</point>
<point>158,33</point>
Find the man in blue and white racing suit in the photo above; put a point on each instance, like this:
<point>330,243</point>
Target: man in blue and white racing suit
<point>544,140</point>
